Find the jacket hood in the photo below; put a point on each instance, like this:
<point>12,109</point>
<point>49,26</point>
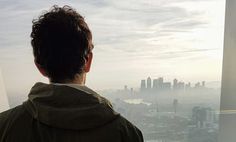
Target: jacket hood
<point>61,106</point>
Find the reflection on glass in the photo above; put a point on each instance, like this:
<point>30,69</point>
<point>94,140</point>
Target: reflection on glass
<point>3,95</point>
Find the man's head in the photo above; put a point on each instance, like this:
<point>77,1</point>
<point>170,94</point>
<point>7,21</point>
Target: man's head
<point>62,44</point>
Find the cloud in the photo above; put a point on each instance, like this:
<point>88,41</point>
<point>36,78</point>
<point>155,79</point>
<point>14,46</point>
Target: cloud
<point>111,21</point>
<point>128,26</point>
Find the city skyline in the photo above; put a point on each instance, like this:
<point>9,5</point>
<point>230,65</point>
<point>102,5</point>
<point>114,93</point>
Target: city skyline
<point>161,83</point>
<point>176,84</point>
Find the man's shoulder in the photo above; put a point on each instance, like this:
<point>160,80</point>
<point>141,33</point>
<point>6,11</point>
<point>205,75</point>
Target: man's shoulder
<point>9,116</point>
<point>16,110</point>
<point>128,130</point>
<point>4,116</point>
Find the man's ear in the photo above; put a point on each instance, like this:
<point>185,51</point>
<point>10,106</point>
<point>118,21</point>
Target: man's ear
<point>41,70</point>
<point>88,62</point>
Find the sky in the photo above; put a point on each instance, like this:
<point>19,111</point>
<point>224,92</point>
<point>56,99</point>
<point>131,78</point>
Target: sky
<point>133,39</point>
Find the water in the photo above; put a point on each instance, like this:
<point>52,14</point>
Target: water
<point>137,101</point>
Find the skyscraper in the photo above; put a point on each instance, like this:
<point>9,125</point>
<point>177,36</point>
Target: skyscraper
<point>166,86</point>
<point>188,86</point>
<point>181,85</point>
<point>161,80</point>
<point>175,104</point>
<point>197,85</point>
<point>203,84</point>
<point>143,85</point>
<point>149,83</point>
<point>175,84</point>
<point>125,87</point>
<point>155,84</point>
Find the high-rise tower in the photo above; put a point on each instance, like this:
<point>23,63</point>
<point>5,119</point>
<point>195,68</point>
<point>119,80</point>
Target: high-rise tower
<point>149,83</point>
<point>143,85</point>
<point>175,84</point>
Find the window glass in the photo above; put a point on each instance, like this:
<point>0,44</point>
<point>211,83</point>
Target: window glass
<point>158,61</point>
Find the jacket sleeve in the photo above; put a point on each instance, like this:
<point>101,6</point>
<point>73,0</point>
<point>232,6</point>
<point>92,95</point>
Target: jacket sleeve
<point>130,133</point>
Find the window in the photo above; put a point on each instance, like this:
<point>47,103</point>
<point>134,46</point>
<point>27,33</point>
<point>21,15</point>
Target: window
<point>158,61</point>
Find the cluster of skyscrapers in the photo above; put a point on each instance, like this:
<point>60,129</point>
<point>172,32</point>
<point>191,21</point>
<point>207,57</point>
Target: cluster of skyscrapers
<point>202,116</point>
<point>159,85</point>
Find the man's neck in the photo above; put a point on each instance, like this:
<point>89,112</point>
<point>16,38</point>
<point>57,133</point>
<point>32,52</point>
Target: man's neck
<point>79,80</point>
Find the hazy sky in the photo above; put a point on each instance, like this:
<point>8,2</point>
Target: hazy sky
<point>133,39</point>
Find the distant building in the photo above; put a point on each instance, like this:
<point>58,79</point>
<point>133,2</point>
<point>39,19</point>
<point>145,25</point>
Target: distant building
<point>149,83</point>
<point>175,84</point>
<point>203,83</point>
<point>125,87</point>
<point>181,85</point>
<point>201,116</point>
<point>188,86</point>
<point>160,83</point>
<point>175,104</point>
<point>166,86</point>
<point>155,84</point>
<point>198,85</point>
<point>178,85</point>
<point>143,85</point>
<point>131,91</point>
<point>161,80</point>
<point>210,118</point>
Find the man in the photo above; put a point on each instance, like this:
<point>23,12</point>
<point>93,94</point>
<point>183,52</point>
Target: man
<point>64,110</point>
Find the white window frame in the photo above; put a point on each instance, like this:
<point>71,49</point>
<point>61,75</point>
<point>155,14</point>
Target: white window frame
<point>227,125</point>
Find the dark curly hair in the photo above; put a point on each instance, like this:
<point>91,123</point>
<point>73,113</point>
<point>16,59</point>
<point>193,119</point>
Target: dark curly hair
<point>61,41</point>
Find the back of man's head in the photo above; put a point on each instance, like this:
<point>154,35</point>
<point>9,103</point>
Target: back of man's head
<point>61,42</point>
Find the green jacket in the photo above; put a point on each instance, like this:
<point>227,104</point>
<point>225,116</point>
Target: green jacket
<point>56,113</point>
